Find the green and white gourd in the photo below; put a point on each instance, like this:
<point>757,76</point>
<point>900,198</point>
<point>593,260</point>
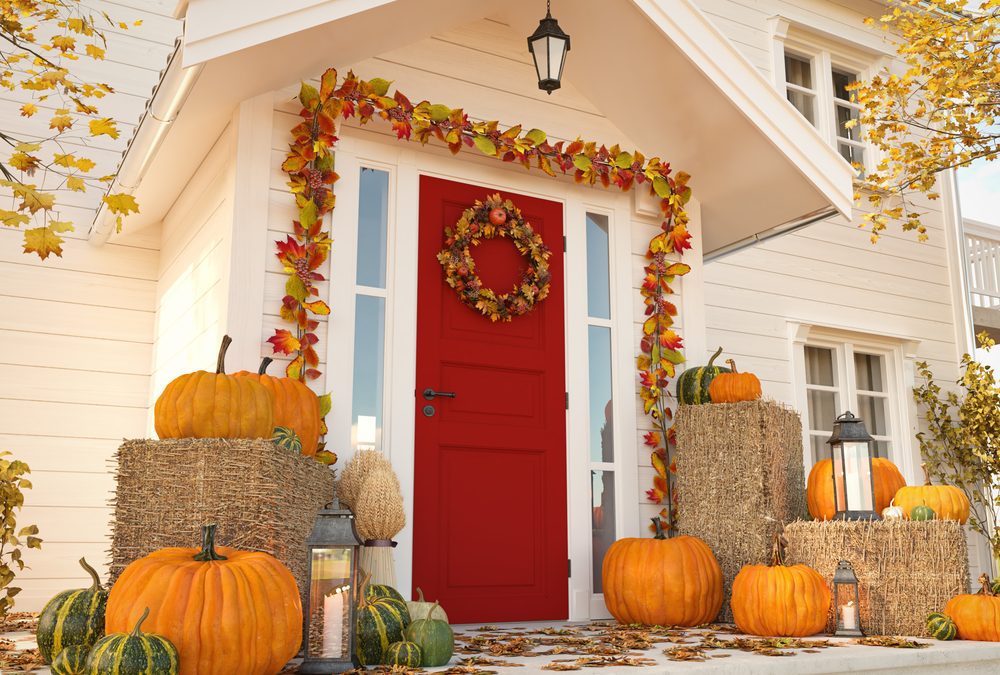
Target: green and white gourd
<point>692,385</point>
<point>380,622</point>
<point>74,617</point>
<point>402,654</point>
<point>435,639</point>
<point>941,626</point>
<point>286,439</point>
<point>421,609</point>
<point>134,653</point>
<point>71,661</point>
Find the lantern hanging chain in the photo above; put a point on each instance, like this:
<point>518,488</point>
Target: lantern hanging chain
<point>548,9</point>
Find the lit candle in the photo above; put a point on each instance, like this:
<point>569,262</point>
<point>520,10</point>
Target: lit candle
<point>333,624</point>
<point>849,616</point>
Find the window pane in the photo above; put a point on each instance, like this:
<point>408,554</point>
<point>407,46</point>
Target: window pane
<point>820,450</point>
<point>819,366</point>
<point>804,103</point>
<point>840,82</point>
<point>373,221</point>
<point>868,371</point>
<point>822,410</point>
<point>851,153</point>
<point>798,71</point>
<point>882,449</point>
<point>602,519</point>
<point>599,369</point>
<point>598,274</point>
<point>369,343</point>
<point>844,115</point>
<point>873,412</point>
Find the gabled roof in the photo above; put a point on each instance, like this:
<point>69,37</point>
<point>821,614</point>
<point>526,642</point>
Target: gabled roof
<point>658,69</point>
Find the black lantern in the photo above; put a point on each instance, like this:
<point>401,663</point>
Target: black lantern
<point>846,601</point>
<point>548,46</point>
<point>329,607</point>
<point>851,449</point>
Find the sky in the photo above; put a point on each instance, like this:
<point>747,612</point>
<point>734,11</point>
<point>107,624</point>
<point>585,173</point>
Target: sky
<point>979,190</point>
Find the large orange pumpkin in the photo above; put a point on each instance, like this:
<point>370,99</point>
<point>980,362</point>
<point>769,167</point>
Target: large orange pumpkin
<point>947,501</point>
<point>660,581</point>
<point>227,611</point>
<point>295,405</point>
<point>214,405</point>
<point>780,601</point>
<point>734,386</point>
<point>819,487</point>
<point>976,617</point>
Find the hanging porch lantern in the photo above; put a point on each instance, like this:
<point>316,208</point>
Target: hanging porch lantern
<point>846,601</point>
<point>851,451</point>
<point>330,603</point>
<point>548,46</point>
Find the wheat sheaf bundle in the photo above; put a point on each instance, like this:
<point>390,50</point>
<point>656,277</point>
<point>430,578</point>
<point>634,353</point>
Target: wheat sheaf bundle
<point>355,474</point>
<point>379,516</point>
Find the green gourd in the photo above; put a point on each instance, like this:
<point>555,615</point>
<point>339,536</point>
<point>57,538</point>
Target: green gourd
<point>74,617</point>
<point>941,626</point>
<point>922,512</point>
<point>402,654</point>
<point>379,622</point>
<point>71,661</point>
<point>692,385</point>
<point>421,609</point>
<point>134,653</point>
<point>286,439</point>
<point>384,591</point>
<point>435,639</point>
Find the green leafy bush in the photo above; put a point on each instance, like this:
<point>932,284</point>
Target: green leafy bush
<point>12,486</point>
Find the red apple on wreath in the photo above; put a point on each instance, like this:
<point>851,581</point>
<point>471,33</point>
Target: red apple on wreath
<point>498,216</point>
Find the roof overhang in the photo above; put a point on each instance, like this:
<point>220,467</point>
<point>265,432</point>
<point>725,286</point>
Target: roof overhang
<point>679,90</point>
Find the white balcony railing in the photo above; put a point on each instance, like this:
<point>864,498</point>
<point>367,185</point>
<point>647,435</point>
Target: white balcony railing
<point>982,245</point>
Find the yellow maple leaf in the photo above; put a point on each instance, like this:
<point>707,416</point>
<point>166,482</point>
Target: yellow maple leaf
<point>95,52</point>
<point>121,204</point>
<point>67,160</point>
<point>76,184</point>
<point>103,127</point>
<point>29,109</point>
<point>64,43</point>
<point>31,199</point>
<point>84,164</point>
<point>60,122</point>
<point>43,241</point>
<point>13,218</point>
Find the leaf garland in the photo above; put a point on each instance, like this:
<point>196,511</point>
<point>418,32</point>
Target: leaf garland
<point>309,165</point>
<point>495,217</point>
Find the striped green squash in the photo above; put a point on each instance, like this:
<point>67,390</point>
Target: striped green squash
<point>941,626</point>
<point>134,653</point>
<point>380,622</point>
<point>692,385</point>
<point>385,591</point>
<point>71,661</point>
<point>402,654</point>
<point>73,617</point>
<point>286,439</point>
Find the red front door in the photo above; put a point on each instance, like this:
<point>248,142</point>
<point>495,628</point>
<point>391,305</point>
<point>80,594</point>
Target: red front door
<point>490,477</point>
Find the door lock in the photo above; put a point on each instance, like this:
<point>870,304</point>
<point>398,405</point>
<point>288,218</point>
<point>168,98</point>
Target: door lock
<point>430,394</point>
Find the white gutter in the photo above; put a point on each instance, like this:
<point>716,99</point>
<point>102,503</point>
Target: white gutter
<point>168,98</point>
<point>776,231</point>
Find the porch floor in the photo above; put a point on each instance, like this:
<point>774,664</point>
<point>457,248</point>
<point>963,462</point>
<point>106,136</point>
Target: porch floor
<point>523,648</point>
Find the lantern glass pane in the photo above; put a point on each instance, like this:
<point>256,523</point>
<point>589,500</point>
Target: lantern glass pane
<point>858,477</point>
<point>845,602</point>
<point>540,50</point>
<point>330,603</point>
<point>556,52</point>
<point>836,452</point>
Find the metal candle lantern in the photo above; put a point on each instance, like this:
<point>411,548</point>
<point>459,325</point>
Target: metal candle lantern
<point>548,46</point>
<point>851,449</point>
<point>329,607</point>
<point>846,601</point>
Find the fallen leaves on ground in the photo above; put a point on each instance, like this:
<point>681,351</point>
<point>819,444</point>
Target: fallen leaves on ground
<point>890,641</point>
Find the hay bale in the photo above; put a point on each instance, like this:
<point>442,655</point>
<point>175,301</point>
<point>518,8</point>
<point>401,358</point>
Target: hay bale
<point>262,497</point>
<point>739,479</point>
<point>905,569</point>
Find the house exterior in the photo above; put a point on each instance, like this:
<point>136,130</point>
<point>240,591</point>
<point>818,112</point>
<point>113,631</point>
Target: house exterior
<point>500,482</point>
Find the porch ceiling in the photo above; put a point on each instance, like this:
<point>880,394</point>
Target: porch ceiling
<point>658,69</point>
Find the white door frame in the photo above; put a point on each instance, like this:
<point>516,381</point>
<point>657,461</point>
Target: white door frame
<point>406,163</point>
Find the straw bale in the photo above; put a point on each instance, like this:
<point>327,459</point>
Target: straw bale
<point>355,473</point>
<point>739,479</point>
<point>905,569</point>
<point>263,498</point>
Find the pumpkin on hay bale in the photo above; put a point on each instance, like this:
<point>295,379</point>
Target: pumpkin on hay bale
<point>734,386</point>
<point>296,406</point>
<point>946,502</point>
<point>693,384</point>
<point>819,487</point>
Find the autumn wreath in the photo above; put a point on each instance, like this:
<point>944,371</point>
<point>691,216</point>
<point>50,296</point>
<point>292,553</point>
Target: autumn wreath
<point>495,217</point>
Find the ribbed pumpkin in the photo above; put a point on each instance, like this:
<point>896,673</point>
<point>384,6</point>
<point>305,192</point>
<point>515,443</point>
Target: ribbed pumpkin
<point>386,591</point>
<point>134,653</point>
<point>435,639</point>
<point>660,581</point>
<point>287,439</point>
<point>976,617</point>
<point>214,405</point>
<point>780,601</point>
<point>296,406</point>
<point>380,622</point>
<point>734,386</point>
<point>73,617</point>
<point>402,654</point>
<point>71,661</point>
<point>692,385</point>
<point>941,626</point>
<point>819,487</point>
<point>947,501</point>
<point>227,611</point>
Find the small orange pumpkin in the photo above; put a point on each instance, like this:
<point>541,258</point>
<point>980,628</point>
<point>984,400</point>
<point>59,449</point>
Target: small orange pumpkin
<point>660,581</point>
<point>947,501</point>
<point>296,406</point>
<point>213,405</point>
<point>735,386</point>
<point>977,617</point>
<point>780,601</point>
<point>819,487</point>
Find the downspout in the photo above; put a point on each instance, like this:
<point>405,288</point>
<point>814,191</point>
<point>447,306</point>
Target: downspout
<point>776,231</point>
<point>958,263</point>
<point>168,98</point>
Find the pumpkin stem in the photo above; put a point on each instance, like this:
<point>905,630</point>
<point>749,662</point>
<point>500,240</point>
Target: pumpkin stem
<point>135,631</point>
<point>264,363</point>
<point>208,552</point>
<point>363,589</point>
<point>927,475</point>
<point>984,579</point>
<point>777,554</point>
<point>93,574</point>
<point>658,524</point>
<point>732,366</point>
<point>420,595</point>
<point>716,355</point>
<point>220,365</point>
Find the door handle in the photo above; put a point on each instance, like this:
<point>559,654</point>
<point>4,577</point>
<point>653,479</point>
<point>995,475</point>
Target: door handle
<point>430,394</point>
